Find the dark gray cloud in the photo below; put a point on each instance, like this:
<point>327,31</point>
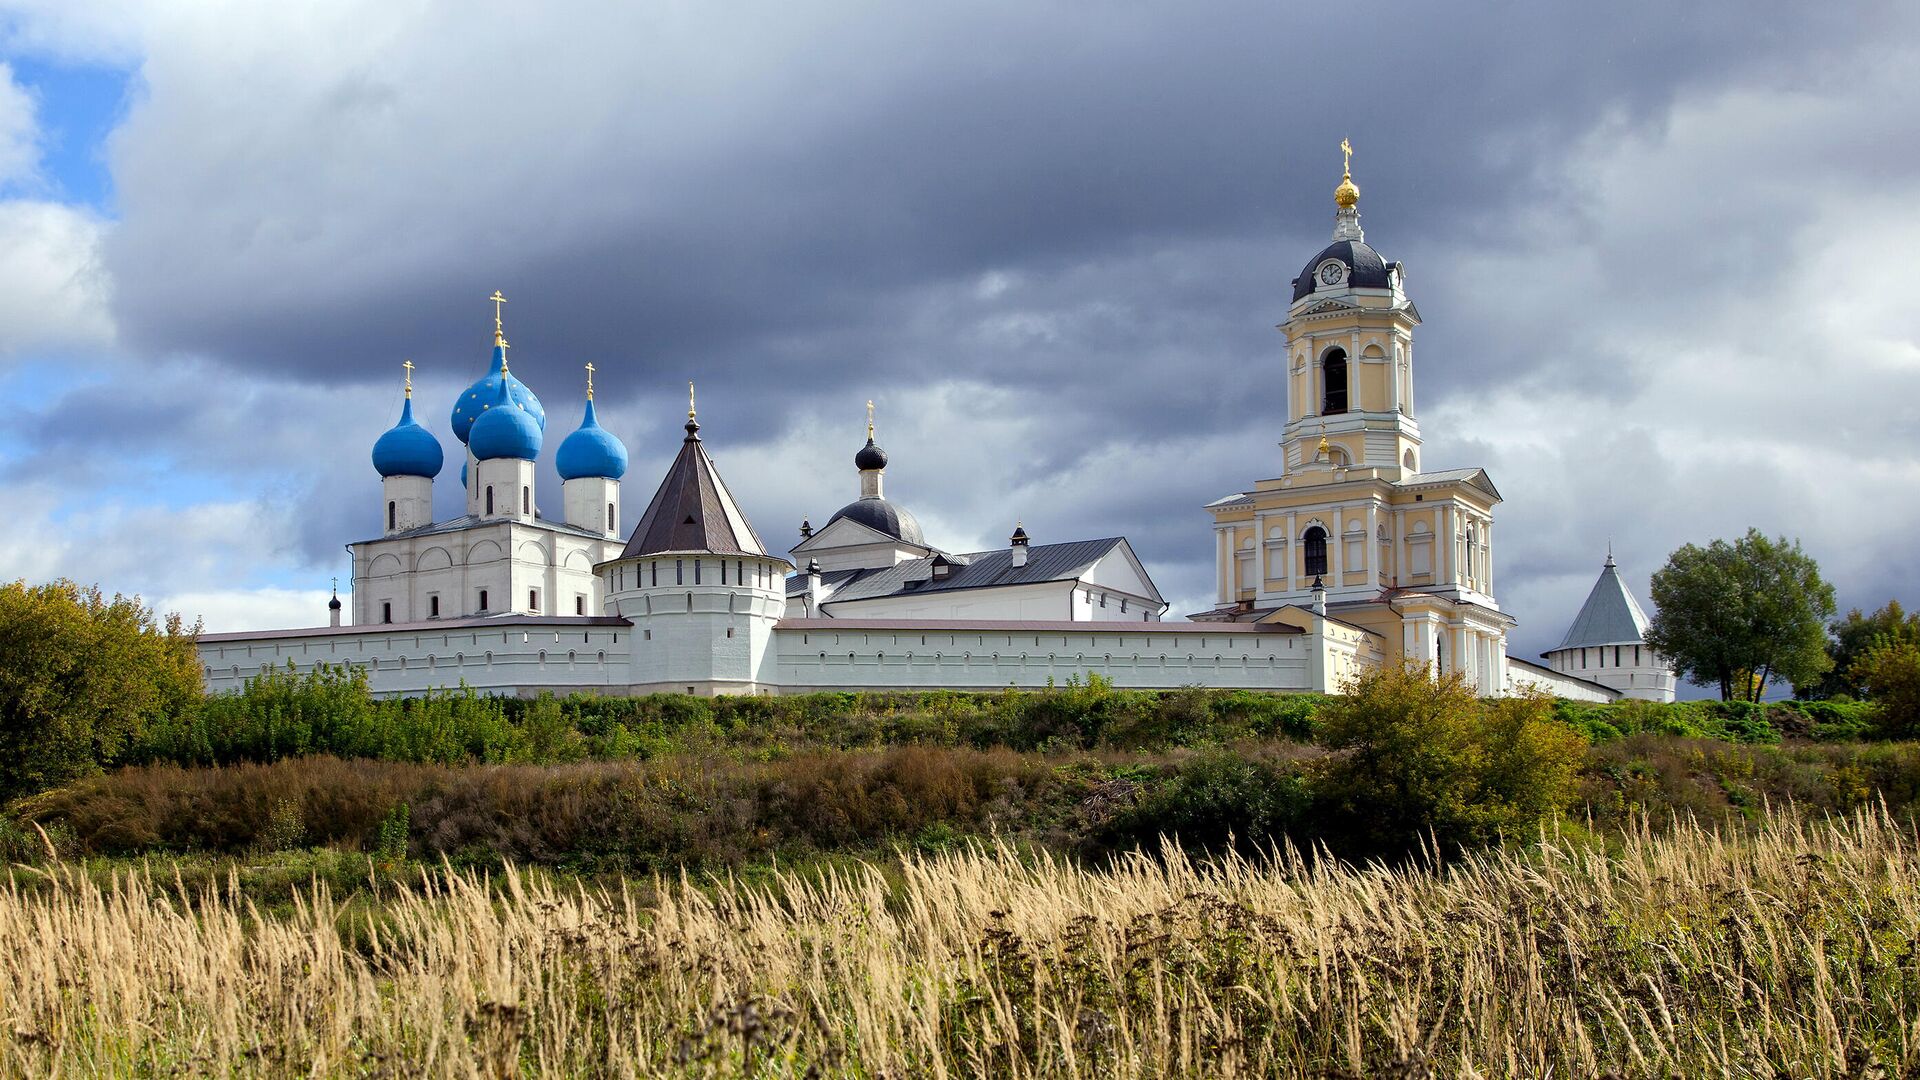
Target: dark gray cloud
<point>1050,240</point>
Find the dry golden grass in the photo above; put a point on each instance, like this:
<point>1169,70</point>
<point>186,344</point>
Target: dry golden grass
<point>1787,953</point>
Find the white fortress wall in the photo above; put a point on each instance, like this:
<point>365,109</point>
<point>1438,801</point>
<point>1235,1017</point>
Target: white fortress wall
<point>1523,675</point>
<point>860,654</point>
<point>511,655</point>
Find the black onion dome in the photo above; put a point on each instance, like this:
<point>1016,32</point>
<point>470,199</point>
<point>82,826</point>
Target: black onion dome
<point>882,516</point>
<point>1365,268</point>
<point>870,457</point>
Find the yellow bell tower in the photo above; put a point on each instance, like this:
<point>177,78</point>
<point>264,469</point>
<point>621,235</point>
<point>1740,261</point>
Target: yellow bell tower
<point>1349,342</point>
<point>1358,536</point>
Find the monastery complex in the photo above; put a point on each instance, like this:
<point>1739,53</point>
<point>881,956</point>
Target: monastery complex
<point>1357,554</point>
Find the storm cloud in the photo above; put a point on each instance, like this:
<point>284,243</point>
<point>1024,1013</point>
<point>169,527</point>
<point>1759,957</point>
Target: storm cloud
<point>1050,240</point>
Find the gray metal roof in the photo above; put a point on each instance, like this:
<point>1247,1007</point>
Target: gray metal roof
<point>882,516</point>
<point>1476,477</point>
<point>693,510</point>
<point>1610,616</point>
<point>468,521</point>
<point>977,570</point>
<point>1366,269</point>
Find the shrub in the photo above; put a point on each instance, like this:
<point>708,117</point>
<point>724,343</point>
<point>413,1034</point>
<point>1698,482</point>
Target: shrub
<point>1890,670</point>
<point>81,677</point>
<point>1218,795</point>
<point>1420,754</point>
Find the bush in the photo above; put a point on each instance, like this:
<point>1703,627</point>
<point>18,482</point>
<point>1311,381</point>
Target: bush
<point>1420,755</point>
<point>1890,670</point>
<point>1216,796</point>
<point>81,677</point>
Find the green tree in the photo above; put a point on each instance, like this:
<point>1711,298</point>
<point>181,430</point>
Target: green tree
<point>1851,638</point>
<point>1419,754</point>
<point>81,676</point>
<point>1741,615</point>
<point>1889,669</point>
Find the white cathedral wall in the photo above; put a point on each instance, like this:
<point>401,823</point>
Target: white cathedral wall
<point>592,503</point>
<point>512,657</point>
<point>510,561</point>
<point>408,503</point>
<point>820,656</point>
<point>1049,601</point>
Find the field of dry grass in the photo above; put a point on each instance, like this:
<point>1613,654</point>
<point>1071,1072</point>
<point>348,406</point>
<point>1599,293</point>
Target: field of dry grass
<point>1789,951</point>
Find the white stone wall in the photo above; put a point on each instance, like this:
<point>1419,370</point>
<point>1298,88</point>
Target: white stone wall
<point>702,624</point>
<point>512,561</point>
<point>1633,670</point>
<point>818,655</point>
<point>408,503</point>
<point>499,657</point>
<point>1523,675</point>
<point>592,503</point>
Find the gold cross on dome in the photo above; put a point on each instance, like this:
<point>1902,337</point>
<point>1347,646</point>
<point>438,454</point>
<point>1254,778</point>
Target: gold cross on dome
<point>1346,154</point>
<point>499,334</point>
<point>869,419</point>
<point>690,399</point>
<point>589,380</point>
<point>408,364</point>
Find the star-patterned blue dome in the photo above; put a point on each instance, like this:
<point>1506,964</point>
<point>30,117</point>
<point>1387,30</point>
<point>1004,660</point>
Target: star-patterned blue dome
<point>476,399</point>
<point>407,449</point>
<point>591,451</point>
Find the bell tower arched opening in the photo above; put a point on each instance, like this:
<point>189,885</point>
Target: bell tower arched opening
<point>1333,381</point>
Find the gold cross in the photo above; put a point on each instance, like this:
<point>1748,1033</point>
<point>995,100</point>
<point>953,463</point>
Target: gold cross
<point>589,380</point>
<point>1346,153</point>
<point>689,399</point>
<point>869,421</point>
<point>409,366</point>
<point>499,335</point>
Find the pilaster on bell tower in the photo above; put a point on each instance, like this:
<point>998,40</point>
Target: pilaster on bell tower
<point>1349,349</point>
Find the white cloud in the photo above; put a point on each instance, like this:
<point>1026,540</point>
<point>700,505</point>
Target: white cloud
<point>1738,291</point>
<point>53,290</point>
<point>19,134</point>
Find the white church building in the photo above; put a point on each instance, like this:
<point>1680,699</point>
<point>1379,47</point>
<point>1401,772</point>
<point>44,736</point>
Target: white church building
<point>1355,555</point>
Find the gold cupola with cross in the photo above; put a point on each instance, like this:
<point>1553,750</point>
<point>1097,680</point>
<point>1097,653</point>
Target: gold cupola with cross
<point>1349,349</point>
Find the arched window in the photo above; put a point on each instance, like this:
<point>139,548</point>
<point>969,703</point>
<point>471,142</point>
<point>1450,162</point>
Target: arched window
<point>526,500</point>
<point>489,498</point>
<point>609,517</point>
<point>390,515</point>
<point>1333,378</point>
<point>1315,542</point>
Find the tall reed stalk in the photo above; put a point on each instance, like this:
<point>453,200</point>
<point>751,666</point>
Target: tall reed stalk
<point>1787,952</point>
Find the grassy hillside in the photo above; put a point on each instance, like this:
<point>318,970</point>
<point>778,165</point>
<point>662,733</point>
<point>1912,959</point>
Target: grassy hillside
<point>1784,950</point>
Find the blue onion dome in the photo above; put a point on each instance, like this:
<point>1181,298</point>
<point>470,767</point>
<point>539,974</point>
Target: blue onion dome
<point>475,399</point>
<point>506,429</point>
<point>870,457</point>
<point>591,451</point>
<point>407,449</point>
